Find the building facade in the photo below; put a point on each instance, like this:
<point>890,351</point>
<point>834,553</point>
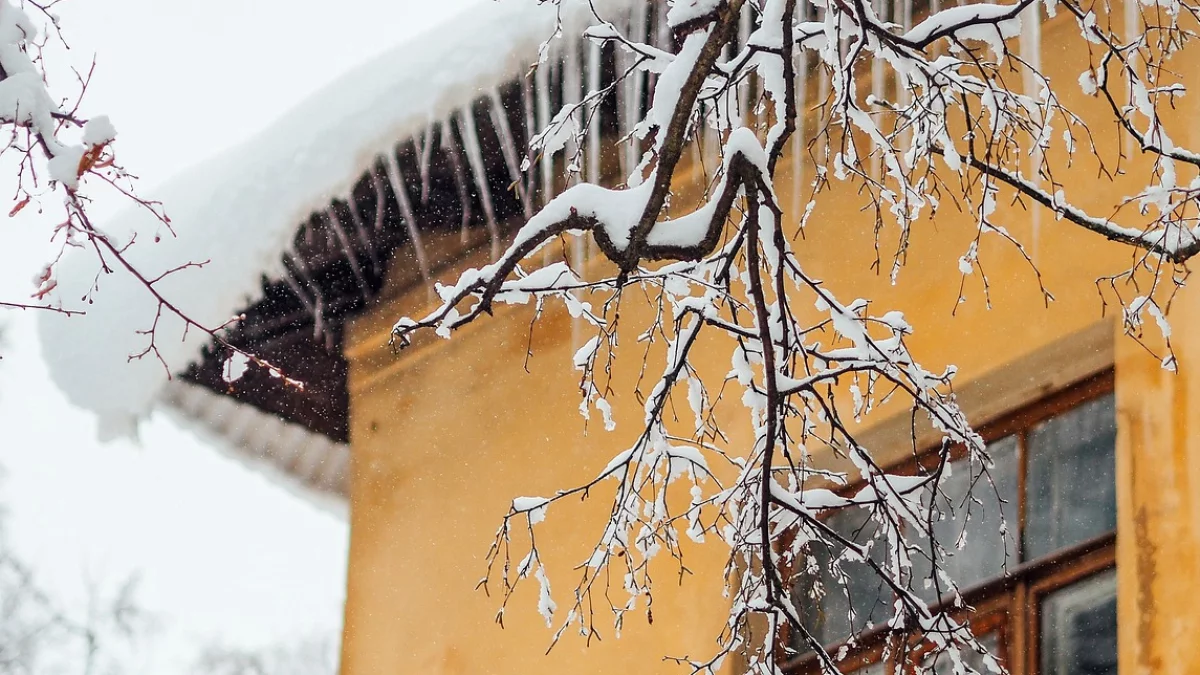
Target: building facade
<point>1091,438</point>
<point>1095,571</point>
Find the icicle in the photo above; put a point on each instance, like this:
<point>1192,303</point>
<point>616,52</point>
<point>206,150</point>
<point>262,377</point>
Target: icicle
<point>290,279</point>
<point>1133,31</point>
<point>317,306</point>
<point>460,177</point>
<point>745,23</point>
<point>546,160</point>
<point>475,159</point>
<point>745,105</point>
<point>1133,20</point>
<point>508,147</point>
<point>572,81</point>
<point>801,114</point>
<point>878,77</point>
<point>623,62</point>
<point>880,8</point>
<point>377,184</point>
<point>530,131</point>
<point>662,35</point>
<point>392,167</point>
<point>360,229</point>
<point>335,224</point>
<point>715,111</point>
<point>708,136</point>
<point>660,38</point>
<point>823,87</point>
<point>906,22</point>
<point>633,93</point>
<point>1031,53</point>
<point>426,157</point>
<point>1031,47</point>
<point>592,157</point>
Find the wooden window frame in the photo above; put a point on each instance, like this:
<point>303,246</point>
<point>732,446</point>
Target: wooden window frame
<point>1009,605</point>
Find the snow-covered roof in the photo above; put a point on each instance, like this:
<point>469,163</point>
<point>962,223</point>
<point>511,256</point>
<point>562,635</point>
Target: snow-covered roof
<point>240,214</point>
<point>302,462</point>
<point>240,210</point>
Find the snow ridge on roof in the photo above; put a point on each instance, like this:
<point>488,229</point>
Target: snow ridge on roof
<point>306,464</point>
<point>240,210</point>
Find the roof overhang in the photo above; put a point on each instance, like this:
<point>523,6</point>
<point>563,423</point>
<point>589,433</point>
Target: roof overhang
<point>296,229</point>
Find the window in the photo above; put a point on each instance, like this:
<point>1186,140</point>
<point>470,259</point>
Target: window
<point>1044,593</point>
<point>1079,628</point>
<point>863,592</point>
<point>1070,488</point>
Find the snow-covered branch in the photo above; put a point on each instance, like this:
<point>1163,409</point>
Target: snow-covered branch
<point>59,158</point>
<point>954,130</point>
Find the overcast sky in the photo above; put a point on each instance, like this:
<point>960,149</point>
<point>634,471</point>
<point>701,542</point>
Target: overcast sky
<point>223,553</point>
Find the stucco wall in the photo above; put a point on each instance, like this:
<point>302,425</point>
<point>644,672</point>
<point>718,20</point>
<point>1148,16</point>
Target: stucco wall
<point>446,434</point>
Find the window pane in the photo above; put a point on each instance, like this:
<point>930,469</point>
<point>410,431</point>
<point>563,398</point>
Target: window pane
<point>943,664</point>
<point>828,618</point>
<point>1079,628</point>
<point>1071,484</point>
<point>976,521</point>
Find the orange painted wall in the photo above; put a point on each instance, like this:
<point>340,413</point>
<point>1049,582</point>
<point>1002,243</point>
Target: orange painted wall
<point>445,434</point>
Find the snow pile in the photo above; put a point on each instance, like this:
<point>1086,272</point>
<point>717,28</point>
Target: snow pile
<point>690,10</point>
<point>985,22</point>
<point>240,210</point>
<point>25,101</point>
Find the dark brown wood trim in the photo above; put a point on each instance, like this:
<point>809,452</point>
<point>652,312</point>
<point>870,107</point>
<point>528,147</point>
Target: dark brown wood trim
<point>1010,603</point>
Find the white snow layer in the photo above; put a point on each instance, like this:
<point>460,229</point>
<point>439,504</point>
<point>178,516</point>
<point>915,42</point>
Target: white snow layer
<point>240,210</point>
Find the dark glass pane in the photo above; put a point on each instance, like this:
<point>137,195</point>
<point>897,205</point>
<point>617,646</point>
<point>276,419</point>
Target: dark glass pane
<point>1071,481</point>
<point>1079,628</point>
<point>976,522</point>
<point>828,617</point>
<point>943,663</point>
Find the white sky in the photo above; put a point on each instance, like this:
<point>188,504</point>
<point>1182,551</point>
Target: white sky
<point>222,552</point>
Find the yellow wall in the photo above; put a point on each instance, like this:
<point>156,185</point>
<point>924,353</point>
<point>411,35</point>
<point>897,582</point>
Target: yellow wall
<point>1158,468</point>
<point>446,434</point>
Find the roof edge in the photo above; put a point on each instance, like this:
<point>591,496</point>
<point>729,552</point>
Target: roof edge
<point>306,464</point>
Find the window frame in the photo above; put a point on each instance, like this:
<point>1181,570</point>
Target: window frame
<point>1009,605</point>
